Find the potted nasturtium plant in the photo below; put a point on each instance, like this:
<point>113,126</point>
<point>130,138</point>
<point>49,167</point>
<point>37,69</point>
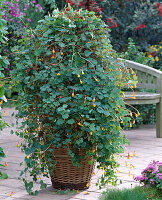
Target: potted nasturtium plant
<point>71,100</point>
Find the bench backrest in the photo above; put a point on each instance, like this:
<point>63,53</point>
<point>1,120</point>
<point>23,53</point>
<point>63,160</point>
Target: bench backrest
<point>148,78</point>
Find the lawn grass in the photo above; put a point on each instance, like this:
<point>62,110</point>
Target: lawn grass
<point>137,193</point>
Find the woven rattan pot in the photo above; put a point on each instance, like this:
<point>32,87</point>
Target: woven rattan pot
<point>65,175</point>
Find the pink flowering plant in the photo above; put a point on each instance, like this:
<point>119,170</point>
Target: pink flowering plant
<point>151,176</point>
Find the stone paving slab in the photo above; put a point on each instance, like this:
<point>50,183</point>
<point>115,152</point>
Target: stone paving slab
<point>142,140</point>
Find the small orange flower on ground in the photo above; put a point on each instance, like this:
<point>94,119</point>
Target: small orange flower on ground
<point>45,173</point>
<point>134,154</point>
<point>26,131</point>
<point>77,191</point>
<point>4,113</point>
<point>58,74</point>
<point>126,164</point>
<point>18,145</point>
<point>6,164</point>
<point>87,192</point>
<point>128,157</point>
<point>129,173</point>
<point>11,194</point>
<point>118,171</point>
<point>93,173</point>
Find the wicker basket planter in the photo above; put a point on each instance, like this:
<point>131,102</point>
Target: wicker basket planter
<point>65,175</point>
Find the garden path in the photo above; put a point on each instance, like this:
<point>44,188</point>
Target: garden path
<point>142,140</point>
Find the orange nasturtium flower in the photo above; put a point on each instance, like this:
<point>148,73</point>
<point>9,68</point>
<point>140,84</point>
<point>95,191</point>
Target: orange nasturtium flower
<point>18,145</point>
<point>72,94</point>
<point>58,74</point>
<point>11,194</point>
<point>134,154</point>
<point>6,164</point>
<point>83,18</point>
<point>94,105</point>
<point>53,51</point>
<point>128,157</point>
<point>4,113</point>
<point>26,131</point>
<point>91,133</point>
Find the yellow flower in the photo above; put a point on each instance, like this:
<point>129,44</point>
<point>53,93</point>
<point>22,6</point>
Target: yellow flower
<point>53,51</point>
<point>58,74</point>
<point>81,82</point>
<point>91,133</point>
<point>94,105</point>
<point>104,173</point>
<point>130,113</point>
<point>93,150</point>
<point>72,94</point>
<point>4,113</point>
<point>87,184</point>
<point>83,18</point>
<point>87,192</point>
<point>18,145</point>
<point>156,59</point>
<point>96,79</point>
<point>1,102</point>
<point>93,173</point>
<point>118,171</point>
<point>130,125</point>
<point>94,99</point>
<point>82,73</point>
<point>26,131</point>
<point>78,76</point>
<point>129,173</point>
<point>27,157</point>
<point>134,154</point>
<point>121,122</point>
<point>126,164</point>
<point>61,53</point>
<point>11,194</point>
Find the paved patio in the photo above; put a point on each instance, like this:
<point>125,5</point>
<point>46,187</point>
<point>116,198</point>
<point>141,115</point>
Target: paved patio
<point>144,147</point>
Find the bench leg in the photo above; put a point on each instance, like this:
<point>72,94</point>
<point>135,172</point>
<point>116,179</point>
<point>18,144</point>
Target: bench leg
<point>159,120</point>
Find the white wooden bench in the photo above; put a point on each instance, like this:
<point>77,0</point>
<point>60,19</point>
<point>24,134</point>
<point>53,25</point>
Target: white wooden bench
<point>148,78</point>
